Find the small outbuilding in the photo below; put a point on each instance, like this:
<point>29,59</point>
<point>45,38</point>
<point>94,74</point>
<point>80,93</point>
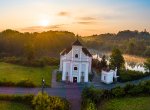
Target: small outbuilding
<point>109,76</point>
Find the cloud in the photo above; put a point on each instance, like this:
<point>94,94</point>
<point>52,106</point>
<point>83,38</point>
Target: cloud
<point>63,13</point>
<point>86,20</point>
<point>40,28</point>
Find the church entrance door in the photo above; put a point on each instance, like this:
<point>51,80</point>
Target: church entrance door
<point>75,79</point>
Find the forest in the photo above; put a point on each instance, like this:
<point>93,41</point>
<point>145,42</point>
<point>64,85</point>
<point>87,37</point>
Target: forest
<point>51,43</point>
<point>129,42</point>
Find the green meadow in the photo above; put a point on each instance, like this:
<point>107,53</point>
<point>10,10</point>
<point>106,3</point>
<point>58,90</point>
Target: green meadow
<point>16,73</point>
<point>4,105</point>
<point>134,103</point>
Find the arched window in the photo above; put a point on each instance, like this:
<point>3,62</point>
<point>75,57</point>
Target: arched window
<point>75,68</point>
<point>76,55</point>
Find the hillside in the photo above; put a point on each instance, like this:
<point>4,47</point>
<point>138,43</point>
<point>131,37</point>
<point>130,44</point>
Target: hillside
<point>51,43</point>
<point>130,42</point>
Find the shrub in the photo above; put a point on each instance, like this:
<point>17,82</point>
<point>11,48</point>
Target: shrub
<point>44,102</point>
<point>34,63</point>
<point>118,92</point>
<point>97,96</point>
<point>90,105</point>
<point>7,84</point>
<point>41,102</point>
<point>59,76</point>
<point>13,60</point>
<point>59,104</point>
<point>128,87</point>
<point>25,83</point>
<point>50,61</point>
<point>129,75</point>
<point>136,90</point>
<point>26,99</point>
<point>93,94</point>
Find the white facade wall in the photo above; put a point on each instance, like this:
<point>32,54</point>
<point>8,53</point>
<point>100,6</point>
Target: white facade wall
<point>107,77</point>
<point>68,62</point>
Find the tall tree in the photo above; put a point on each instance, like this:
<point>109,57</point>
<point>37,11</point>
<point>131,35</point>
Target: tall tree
<point>103,62</point>
<point>116,59</point>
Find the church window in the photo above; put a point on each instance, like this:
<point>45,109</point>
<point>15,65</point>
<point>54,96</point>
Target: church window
<point>76,55</point>
<point>104,77</point>
<point>75,68</point>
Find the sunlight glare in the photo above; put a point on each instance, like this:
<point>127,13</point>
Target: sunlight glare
<point>44,22</point>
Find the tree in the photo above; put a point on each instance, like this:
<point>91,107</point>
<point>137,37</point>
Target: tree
<point>116,59</point>
<point>29,52</point>
<point>41,101</point>
<point>147,64</point>
<point>103,62</point>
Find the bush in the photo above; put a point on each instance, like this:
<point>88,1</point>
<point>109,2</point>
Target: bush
<point>129,75</point>
<point>7,84</point>
<point>23,83</point>
<point>128,87</point>
<point>33,63</point>
<point>26,99</point>
<point>118,92</point>
<point>50,61</point>
<point>90,105</point>
<point>13,60</point>
<point>59,76</point>
<point>97,96</point>
<point>44,102</point>
<point>93,94</point>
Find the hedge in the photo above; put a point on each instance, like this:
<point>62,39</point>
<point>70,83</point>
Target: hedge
<point>26,99</point>
<point>56,103</point>
<point>23,83</point>
<point>129,75</point>
<point>33,63</point>
<point>97,96</point>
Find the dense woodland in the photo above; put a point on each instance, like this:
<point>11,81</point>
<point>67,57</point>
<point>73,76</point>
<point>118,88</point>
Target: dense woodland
<point>129,42</point>
<point>50,43</point>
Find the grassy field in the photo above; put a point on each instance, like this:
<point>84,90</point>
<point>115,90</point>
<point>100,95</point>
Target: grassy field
<point>16,73</point>
<point>13,106</point>
<point>139,103</point>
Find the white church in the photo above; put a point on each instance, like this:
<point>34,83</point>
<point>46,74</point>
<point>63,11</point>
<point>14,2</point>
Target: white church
<point>75,63</point>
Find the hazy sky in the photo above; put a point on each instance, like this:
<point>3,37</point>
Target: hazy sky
<point>83,17</point>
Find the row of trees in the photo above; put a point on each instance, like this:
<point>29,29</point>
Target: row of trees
<point>129,42</point>
<point>33,45</point>
<point>50,43</point>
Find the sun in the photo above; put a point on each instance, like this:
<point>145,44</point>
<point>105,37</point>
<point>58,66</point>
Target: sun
<point>44,22</point>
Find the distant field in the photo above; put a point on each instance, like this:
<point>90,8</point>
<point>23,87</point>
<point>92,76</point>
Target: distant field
<point>135,59</point>
<point>140,103</point>
<point>13,106</point>
<point>16,73</point>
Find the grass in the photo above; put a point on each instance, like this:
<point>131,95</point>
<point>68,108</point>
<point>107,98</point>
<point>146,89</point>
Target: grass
<point>138,103</point>
<point>4,105</point>
<point>16,73</point>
